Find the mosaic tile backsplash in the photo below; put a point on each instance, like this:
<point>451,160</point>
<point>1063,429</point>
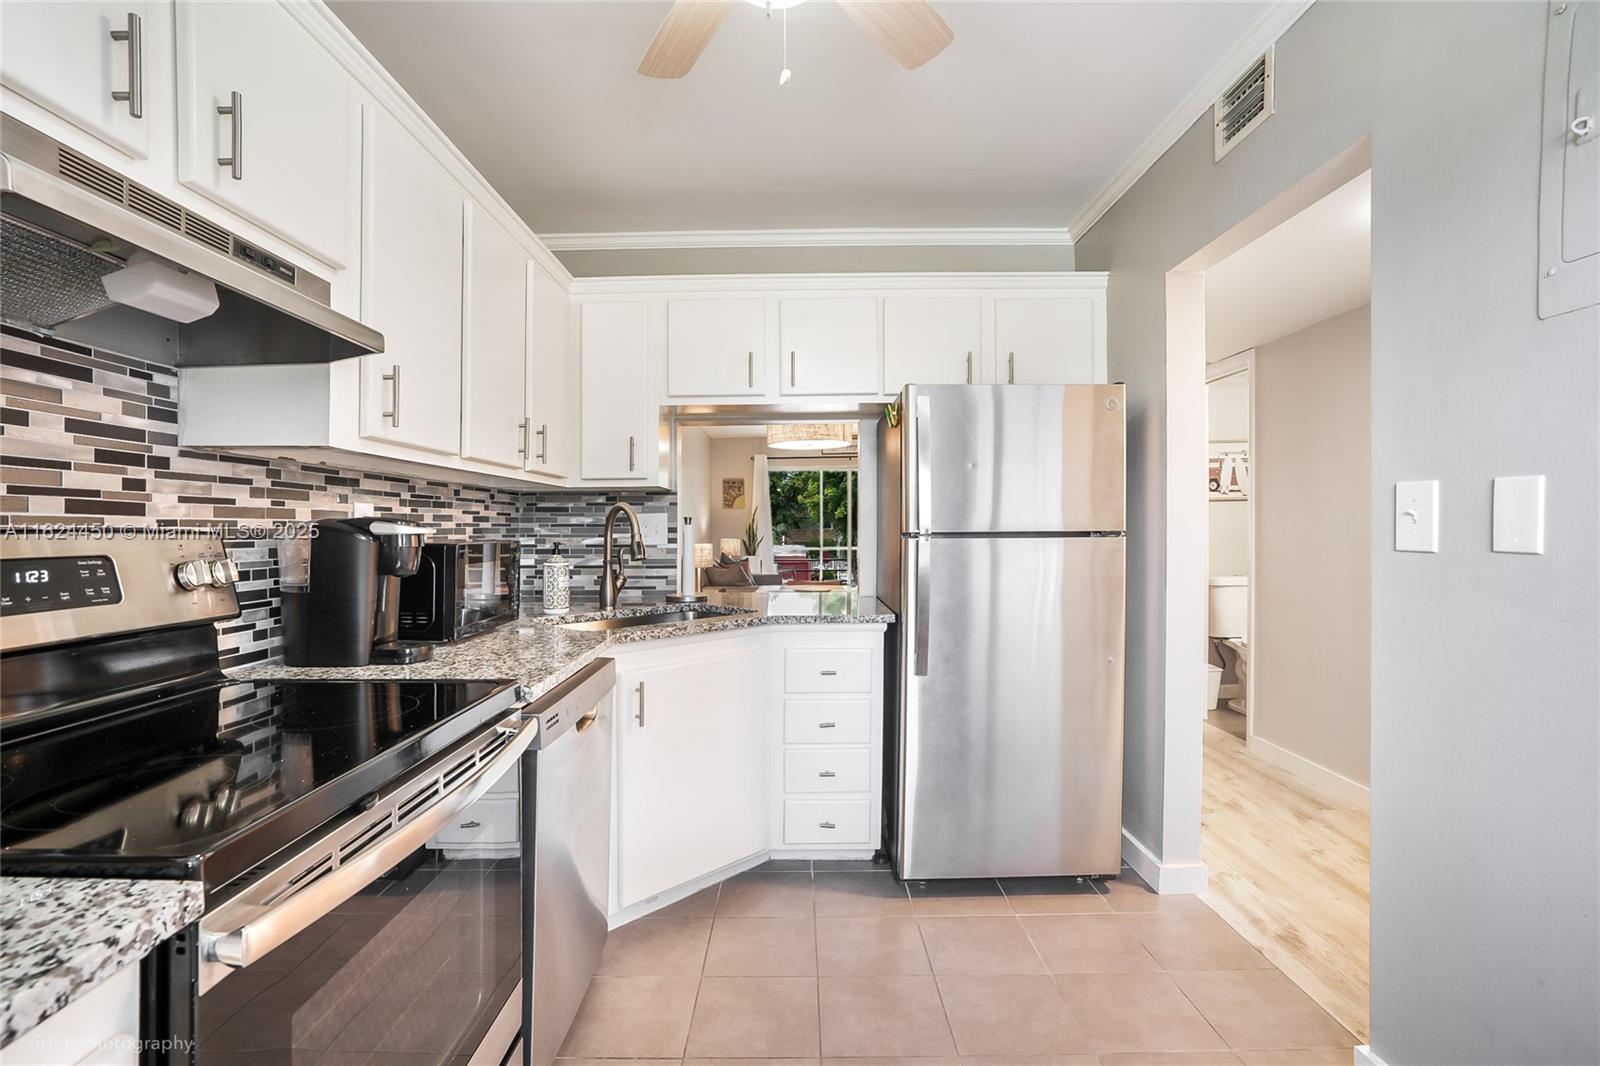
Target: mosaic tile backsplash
<point>90,437</point>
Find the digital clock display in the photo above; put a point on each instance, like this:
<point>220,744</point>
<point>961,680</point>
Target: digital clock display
<point>56,584</point>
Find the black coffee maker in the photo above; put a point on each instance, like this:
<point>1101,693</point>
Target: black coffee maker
<point>349,613</point>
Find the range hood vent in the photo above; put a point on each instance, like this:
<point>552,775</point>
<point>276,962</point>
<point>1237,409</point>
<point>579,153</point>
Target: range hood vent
<point>1243,106</point>
<point>68,221</point>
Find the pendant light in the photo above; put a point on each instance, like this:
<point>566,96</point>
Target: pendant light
<point>807,436</point>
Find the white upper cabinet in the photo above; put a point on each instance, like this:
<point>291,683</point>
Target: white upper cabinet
<point>1048,340</point>
<point>618,420</point>
<point>932,341</point>
<point>552,387</point>
<point>64,57</point>
<point>411,291</point>
<point>716,347</point>
<point>494,348</point>
<point>255,88</point>
<point>829,345</point>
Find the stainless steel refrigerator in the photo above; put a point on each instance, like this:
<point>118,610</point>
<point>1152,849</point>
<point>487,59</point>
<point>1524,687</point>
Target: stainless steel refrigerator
<point>1003,552</point>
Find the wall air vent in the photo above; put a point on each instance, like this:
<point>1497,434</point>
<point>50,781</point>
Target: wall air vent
<point>1243,106</point>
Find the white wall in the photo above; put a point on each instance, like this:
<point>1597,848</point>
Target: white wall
<point>730,457</point>
<point>696,497</point>
<point>1484,667</point>
<point>1312,647</point>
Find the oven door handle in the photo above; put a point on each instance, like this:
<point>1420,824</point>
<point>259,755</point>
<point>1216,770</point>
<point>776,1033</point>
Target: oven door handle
<point>269,927</point>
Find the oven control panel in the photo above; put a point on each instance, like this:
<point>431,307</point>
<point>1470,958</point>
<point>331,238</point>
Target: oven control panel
<point>55,584</point>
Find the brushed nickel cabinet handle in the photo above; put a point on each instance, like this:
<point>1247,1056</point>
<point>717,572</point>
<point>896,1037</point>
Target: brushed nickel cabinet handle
<point>826,825</point>
<point>750,369</point>
<point>234,161</point>
<point>522,435</point>
<point>826,773</point>
<point>134,94</point>
<point>1011,368</point>
<point>830,673</point>
<point>470,825</point>
<point>639,714</point>
<point>827,725</point>
<point>969,368</point>
<point>791,370</point>
<point>544,441</point>
<point>631,450</point>
<point>393,376</point>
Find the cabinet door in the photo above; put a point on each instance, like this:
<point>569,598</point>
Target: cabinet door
<point>494,348</point>
<point>619,439</point>
<point>933,341</point>
<point>295,135</point>
<point>716,347</point>
<point>829,346</point>
<point>411,291</point>
<point>62,57</point>
<point>1044,340</point>
<point>552,388</point>
<point>692,769</point>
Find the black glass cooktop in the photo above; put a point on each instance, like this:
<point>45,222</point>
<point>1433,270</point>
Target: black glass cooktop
<point>206,781</point>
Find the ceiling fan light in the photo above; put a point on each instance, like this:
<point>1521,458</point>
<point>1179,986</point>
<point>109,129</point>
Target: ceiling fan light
<point>807,436</point>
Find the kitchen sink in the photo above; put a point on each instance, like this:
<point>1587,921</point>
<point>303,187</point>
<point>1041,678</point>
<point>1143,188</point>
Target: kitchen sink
<point>656,618</point>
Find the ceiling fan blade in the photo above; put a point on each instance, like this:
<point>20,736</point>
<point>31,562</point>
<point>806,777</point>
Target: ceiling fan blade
<point>909,30</point>
<point>687,30</point>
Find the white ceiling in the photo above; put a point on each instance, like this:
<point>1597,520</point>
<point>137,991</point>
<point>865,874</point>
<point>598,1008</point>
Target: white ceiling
<point>1312,266</point>
<point>1019,123</point>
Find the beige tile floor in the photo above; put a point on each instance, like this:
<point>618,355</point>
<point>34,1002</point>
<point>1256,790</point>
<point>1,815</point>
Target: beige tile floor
<point>790,963</point>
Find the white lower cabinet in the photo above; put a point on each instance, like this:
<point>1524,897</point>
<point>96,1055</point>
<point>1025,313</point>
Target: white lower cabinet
<point>99,1027</point>
<point>691,761</point>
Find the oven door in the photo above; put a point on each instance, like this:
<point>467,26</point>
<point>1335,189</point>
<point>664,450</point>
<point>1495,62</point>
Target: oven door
<point>397,937</point>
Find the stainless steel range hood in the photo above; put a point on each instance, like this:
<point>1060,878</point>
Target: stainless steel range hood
<point>66,221</point>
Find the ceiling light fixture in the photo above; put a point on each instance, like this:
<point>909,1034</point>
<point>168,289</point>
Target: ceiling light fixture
<point>807,436</point>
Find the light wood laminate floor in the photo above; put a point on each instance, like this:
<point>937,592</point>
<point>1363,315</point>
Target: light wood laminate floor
<point>1288,871</point>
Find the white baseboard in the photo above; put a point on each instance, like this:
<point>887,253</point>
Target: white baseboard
<point>1167,878</point>
<point>1331,782</point>
<point>1365,1057</point>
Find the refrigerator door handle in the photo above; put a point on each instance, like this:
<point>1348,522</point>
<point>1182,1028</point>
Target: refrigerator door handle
<point>922,418</point>
<point>921,548</point>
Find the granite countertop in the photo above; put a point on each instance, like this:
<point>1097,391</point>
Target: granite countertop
<point>539,653</point>
<point>61,935</point>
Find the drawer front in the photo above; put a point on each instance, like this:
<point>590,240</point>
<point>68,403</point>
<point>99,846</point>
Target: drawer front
<point>827,770</point>
<point>827,670</point>
<point>827,721</point>
<point>819,821</point>
<point>490,822</point>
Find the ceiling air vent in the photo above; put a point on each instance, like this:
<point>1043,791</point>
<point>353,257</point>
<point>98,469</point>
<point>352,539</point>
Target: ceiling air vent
<point>1243,106</point>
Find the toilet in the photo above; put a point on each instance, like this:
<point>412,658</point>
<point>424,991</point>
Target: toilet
<point>1228,621</point>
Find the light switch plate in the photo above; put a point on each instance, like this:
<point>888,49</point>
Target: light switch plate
<point>1519,514</point>
<point>654,528</point>
<point>1416,516</point>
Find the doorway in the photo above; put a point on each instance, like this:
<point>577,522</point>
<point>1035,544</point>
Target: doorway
<point>1286,740</point>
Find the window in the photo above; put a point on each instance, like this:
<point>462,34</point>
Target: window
<point>814,524</point>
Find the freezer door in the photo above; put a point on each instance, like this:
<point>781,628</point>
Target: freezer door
<point>1012,458</point>
<point>1010,715</point>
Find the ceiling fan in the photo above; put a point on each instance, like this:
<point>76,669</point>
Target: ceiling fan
<point>909,30</point>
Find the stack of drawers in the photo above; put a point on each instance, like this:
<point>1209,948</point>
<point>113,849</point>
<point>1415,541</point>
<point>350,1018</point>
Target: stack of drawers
<point>827,747</point>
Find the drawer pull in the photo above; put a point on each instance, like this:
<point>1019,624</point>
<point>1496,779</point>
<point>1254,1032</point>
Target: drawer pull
<point>474,824</point>
<point>826,825</point>
<point>827,725</point>
<point>826,773</point>
<point>830,673</point>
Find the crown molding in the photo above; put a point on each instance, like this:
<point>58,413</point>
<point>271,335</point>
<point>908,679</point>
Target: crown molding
<point>1267,29</point>
<point>785,284</point>
<point>874,237</point>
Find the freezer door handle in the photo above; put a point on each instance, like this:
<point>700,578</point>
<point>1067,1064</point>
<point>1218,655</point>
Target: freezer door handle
<point>920,550</point>
<point>922,419</point>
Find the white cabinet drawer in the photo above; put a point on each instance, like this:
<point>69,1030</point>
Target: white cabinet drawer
<point>827,670</point>
<point>491,822</point>
<point>827,721</point>
<point>827,770</point>
<point>819,821</point>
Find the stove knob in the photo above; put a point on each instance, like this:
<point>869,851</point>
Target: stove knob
<point>191,575</point>
<point>223,572</point>
<point>193,814</point>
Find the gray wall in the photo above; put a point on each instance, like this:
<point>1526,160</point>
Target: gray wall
<point>649,261</point>
<point>1310,460</point>
<point>1485,805</point>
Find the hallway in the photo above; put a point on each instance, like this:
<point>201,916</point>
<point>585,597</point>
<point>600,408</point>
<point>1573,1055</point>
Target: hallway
<point>1288,871</point>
